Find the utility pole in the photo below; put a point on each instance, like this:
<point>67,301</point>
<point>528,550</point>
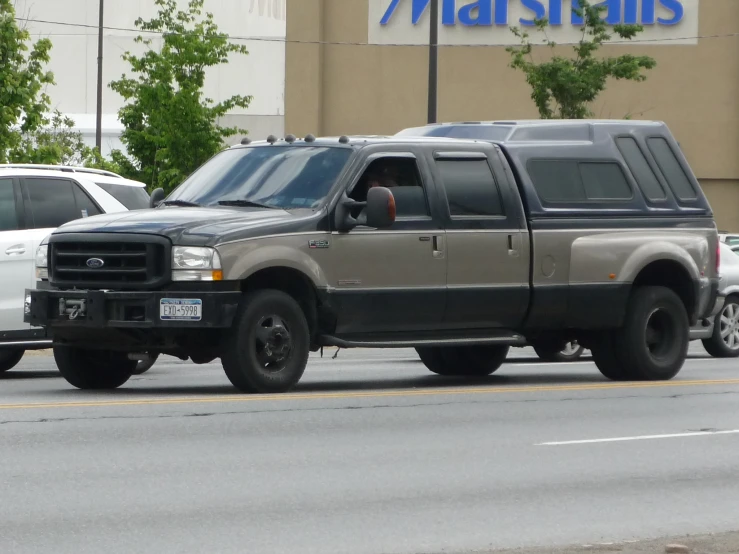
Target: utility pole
<point>99,122</point>
<point>433,61</point>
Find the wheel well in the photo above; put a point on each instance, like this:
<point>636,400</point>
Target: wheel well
<point>670,274</point>
<point>292,282</point>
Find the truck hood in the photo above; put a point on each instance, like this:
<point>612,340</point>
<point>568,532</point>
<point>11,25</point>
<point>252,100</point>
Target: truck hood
<point>198,226</point>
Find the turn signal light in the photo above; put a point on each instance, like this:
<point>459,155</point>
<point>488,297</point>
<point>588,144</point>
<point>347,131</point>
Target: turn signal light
<point>218,275</point>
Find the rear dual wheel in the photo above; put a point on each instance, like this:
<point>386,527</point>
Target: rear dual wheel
<point>463,361</point>
<point>652,344</point>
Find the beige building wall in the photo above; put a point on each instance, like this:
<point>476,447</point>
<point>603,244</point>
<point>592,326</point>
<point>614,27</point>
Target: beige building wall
<point>335,88</point>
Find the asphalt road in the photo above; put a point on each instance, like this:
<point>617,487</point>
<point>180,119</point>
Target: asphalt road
<point>371,454</point>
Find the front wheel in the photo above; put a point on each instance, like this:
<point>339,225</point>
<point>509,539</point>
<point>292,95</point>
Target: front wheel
<point>9,359</point>
<point>464,361</point>
<point>267,348</point>
<point>93,369</point>
<point>724,342</point>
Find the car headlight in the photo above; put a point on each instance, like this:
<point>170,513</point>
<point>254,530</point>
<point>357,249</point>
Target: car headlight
<point>196,263</point>
<point>42,260</point>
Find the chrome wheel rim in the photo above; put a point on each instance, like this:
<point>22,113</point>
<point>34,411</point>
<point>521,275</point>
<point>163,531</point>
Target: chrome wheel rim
<point>571,348</point>
<point>729,326</point>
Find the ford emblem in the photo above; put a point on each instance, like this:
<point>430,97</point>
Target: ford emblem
<point>95,263</point>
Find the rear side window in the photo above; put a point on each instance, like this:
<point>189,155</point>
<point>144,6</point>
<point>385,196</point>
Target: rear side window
<point>604,181</point>
<point>53,202</point>
<point>671,169</point>
<point>640,169</point>
<point>8,213</point>
<point>84,204</point>
<point>133,198</point>
<point>563,181</point>
<point>470,188</point>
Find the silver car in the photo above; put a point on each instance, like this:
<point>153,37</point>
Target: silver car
<point>720,334</point>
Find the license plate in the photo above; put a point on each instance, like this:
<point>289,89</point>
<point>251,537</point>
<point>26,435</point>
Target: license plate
<point>181,309</point>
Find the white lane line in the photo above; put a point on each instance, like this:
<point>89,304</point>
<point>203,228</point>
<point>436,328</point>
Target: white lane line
<point>642,438</point>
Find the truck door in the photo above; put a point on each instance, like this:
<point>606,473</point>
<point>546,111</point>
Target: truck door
<point>487,242</point>
<point>391,280</point>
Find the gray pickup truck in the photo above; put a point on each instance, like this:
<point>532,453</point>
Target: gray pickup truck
<point>595,231</point>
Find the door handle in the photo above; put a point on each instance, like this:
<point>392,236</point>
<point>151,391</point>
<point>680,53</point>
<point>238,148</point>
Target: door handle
<point>512,249</point>
<point>16,250</point>
<point>438,247</point>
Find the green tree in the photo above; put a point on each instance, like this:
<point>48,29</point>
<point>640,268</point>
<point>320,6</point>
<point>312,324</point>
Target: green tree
<point>564,88</point>
<point>170,128</point>
<point>54,142</point>
<point>23,100</point>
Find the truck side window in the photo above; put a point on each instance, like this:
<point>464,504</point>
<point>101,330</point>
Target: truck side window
<point>640,169</point>
<point>604,181</point>
<point>402,177</point>
<point>470,188</point>
<point>563,181</point>
<point>8,215</point>
<point>670,166</point>
<point>52,202</point>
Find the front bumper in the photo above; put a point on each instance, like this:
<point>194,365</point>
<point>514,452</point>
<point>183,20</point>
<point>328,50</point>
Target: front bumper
<point>128,310</point>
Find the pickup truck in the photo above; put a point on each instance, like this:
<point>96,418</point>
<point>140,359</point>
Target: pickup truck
<point>595,231</point>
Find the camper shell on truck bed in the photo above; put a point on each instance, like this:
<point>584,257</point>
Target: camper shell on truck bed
<point>460,248</point>
<point>584,178</point>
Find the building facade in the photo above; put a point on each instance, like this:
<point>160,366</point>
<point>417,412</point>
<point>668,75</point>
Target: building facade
<point>72,26</point>
<point>361,66</point>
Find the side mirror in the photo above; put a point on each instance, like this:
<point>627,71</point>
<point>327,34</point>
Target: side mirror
<point>380,208</point>
<point>156,197</point>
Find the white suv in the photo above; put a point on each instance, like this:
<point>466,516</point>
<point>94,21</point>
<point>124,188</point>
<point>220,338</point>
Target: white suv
<point>35,200</point>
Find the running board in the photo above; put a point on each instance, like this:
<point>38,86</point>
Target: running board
<point>28,344</point>
<point>411,342</point>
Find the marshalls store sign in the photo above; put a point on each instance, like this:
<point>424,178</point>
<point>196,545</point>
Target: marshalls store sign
<point>487,22</point>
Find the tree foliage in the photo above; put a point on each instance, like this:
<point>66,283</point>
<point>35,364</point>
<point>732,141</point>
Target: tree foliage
<point>564,88</point>
<point>54,142</point>
<point>23,78</point>
<point>170,128</point>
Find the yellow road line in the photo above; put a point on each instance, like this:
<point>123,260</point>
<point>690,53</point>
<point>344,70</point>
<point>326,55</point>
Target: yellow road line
<point>370,394</point>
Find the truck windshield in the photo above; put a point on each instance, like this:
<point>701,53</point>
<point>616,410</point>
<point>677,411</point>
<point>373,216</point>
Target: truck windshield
<point>272,176</point>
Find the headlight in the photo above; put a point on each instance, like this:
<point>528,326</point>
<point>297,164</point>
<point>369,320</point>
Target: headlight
<point>42,260</point>
<point>196,263</point>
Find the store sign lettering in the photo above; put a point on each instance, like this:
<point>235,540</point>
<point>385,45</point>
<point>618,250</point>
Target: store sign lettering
<point>496,12</point>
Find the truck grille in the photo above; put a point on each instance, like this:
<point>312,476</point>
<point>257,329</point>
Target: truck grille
<point>109,263</point>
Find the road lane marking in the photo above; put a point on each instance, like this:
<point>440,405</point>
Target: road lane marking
<point>369,394</point>
<point>642,438</point>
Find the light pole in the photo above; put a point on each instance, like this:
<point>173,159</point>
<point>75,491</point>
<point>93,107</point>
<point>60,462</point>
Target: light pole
<point>433,61</point>
<point>99,121</point>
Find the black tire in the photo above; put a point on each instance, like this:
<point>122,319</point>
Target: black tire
<point>727,321</point>
<point>606,359</point>
<point>267,317</point>
<point>93,369</point>
<point>144,366</point>
<point>9,359</point>
<point>464,361</point>
<point>653,342</point>
<point>555,351</point>
<point>433,359</point>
